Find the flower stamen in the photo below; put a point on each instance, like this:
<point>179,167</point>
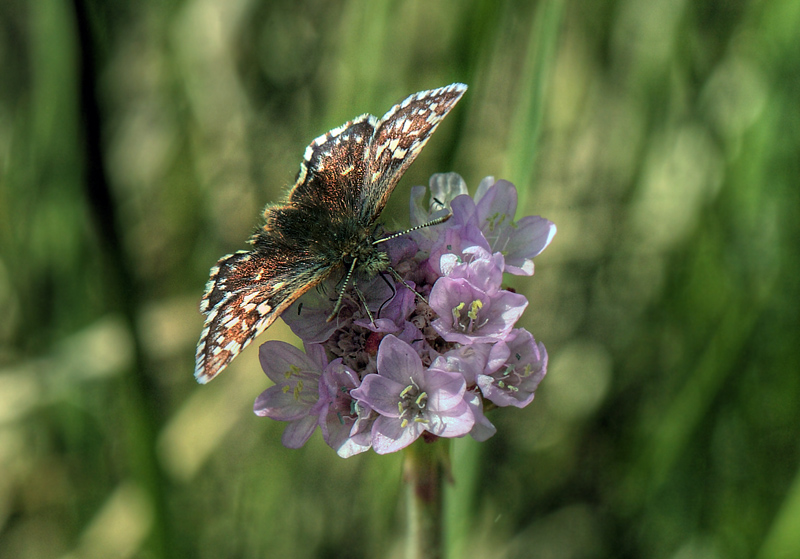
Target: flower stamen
<point>468,323</point>
<point>412,404</point>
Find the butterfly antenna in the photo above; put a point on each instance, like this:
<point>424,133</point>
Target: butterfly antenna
<point>430,223</point>
<point>341,291</point>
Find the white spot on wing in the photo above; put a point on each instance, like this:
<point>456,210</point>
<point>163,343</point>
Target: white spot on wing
<point>231,322</point>
<point>249,297</point>
<point>263,308</point>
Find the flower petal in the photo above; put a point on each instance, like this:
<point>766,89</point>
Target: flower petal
<point>298,432</point>
<point>532,235</point>
<point>388,434</point>
<point>379,393</point>
<point>277,358</point>
<point>498,206</point>
<point>397,360</point>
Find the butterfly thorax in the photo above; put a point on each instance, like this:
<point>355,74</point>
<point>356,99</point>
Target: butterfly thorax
<point>360,247</point>
<point>370,261</point>
<point>332,238</point>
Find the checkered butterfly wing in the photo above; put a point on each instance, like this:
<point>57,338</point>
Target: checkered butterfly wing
<point>333,169</point>
<point>399,137</point>
<point>248,290</point>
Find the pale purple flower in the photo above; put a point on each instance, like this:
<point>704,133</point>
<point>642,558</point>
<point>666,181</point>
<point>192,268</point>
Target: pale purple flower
<point>411,399</point>
<point>444,187</point>
<point>456,240</point>
<point>470,361</point>
<point>468,315</point>
<point>521,241</point>
<point>476,265</point>
<point>296,390</point>
<point>338,412</point>
<point>515,367</point>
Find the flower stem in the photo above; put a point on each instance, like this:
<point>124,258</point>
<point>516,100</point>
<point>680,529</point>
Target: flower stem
<point>425,468</point>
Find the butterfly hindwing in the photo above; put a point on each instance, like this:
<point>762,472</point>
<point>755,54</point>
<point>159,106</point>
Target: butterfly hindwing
<point>246,292</point>
<point>399,137</point>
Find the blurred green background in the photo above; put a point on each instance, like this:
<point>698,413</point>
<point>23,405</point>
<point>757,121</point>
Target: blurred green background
<point>139,142</point>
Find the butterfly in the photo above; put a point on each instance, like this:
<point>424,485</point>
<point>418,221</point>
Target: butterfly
<point>325,226</point>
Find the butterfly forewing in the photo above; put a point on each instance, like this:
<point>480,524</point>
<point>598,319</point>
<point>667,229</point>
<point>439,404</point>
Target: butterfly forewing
<point>334,167</point>
<point>247,291</point>
<point>399,137</point>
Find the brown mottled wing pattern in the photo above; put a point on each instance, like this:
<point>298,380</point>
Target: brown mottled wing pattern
<point>246,292</point>
<point>334,166</point>
<point>399,137</point>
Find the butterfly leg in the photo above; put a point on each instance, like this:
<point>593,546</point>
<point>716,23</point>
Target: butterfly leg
<point>341,291</point>
<point>364,303</point>
<point>399,278</point>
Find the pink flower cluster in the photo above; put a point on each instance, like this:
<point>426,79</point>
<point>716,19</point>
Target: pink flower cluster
<point>416,367</point>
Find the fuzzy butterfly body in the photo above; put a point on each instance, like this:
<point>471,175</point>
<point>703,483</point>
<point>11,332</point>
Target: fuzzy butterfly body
<point>325,226</point>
